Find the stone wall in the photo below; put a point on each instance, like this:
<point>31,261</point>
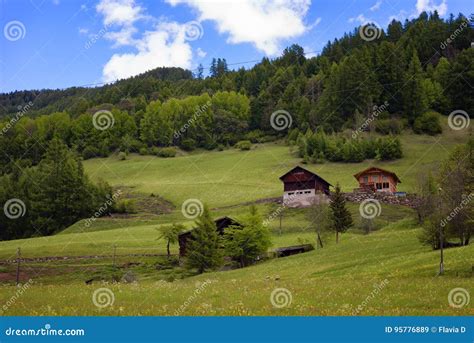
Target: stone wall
<point>409,200</point>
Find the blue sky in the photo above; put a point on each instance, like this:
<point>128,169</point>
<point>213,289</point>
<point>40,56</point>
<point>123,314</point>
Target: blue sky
<point>63,43</point>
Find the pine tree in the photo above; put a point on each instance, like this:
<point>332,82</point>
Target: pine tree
<point>340,216</point>
<point>415,102</point>
<point>204,251</point>
<point>249,243</point>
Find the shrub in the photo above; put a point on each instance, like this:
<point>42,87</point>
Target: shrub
<point>125,206</point>
<point>244,145</point>
<point>389,149</point>
<point>254,136</point>
<point>388,126</point>
<point>143,151</point>
<point>90,152</point>
<point>166,152</point>
<point>429,123</point>
<point>188,144</point>
<point>122,156</point>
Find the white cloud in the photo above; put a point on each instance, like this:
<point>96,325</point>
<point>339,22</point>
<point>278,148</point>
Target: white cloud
<point>120,12</point>
<point>430,6</point>
<point>201,53</point>
<point>165,45</point>
<point>360,19</point>
<point>264,23</point>
<point>376,6</point>
<point>316,23</point>
<point>83,31</point>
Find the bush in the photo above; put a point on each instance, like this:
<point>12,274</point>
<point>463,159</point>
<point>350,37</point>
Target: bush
<point>254,136</point>
<point>388,126</point>
<point>429,123</point>
<point>244,145</point>
<point>143,151</point>
<point>389,149</point>
<point>90,152</point>
<point>125,206</point>
<point>122,156</point>
<point>188,144</point>
<point>165,152</point>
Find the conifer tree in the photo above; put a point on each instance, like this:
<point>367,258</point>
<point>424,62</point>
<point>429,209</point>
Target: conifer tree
<point>341,218</point>
<point>204,251</point>
<point>249,243</point>
<point>415,102</point>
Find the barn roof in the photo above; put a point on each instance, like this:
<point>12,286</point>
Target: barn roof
<point>306,170</point>
<point>370,169</point>
<point>218,222</point>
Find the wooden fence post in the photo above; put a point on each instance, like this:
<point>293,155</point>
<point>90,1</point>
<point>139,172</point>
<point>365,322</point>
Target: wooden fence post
<point>18,256</point>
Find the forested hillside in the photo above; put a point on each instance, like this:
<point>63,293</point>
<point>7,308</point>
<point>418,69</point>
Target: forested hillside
<point>412,68</point>
<point>404,79</point>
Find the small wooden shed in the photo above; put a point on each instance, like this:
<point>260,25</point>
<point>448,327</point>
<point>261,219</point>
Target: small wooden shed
<point>221,225</point>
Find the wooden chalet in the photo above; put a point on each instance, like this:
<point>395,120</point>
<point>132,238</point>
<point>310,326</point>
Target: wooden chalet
<point>377,180</point>
<point>302,187</point>
<point>221,224</point>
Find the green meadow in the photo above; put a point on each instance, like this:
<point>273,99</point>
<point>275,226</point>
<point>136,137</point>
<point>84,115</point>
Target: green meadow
<point>386,272</point>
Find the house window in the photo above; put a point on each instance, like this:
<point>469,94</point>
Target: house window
<point>291,193</point>
<point>378,185</point>
<point>307,192</point>
<point>366,179</point>
<point>375,178</point>
<point>385,178</point>
<point>385,185</point>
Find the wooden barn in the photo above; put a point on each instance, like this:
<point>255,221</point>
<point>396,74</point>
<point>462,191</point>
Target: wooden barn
<point>377,180</point>
<point>302,187</point>
<point>221,223</point>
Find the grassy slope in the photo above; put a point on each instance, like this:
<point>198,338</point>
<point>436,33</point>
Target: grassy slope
<point>232,177</point>
<point>331,281</point>
<point>135,237</point>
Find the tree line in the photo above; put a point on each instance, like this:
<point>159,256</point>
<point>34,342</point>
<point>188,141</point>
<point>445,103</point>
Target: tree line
<point>409,66</point>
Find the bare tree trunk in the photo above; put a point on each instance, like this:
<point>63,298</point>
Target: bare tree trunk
<point>337,237</point>
<point>320,241</point>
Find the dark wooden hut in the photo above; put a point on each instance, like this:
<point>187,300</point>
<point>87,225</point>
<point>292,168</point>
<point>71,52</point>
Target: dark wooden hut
<point>221,225</point>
